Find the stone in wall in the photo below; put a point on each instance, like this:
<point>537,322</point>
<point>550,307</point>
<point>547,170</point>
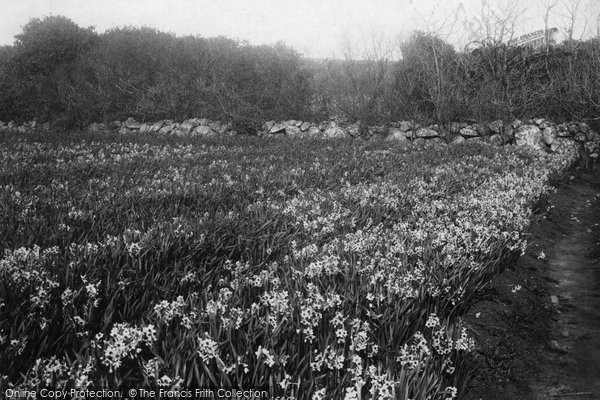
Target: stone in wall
<point>156,126</point>
<point>219,127</point>
<point>167,127</point>
<point>353,130</point>
<point>277,128</point>
<point>333,130</point>
<point>198,121</point>
<point>179,133</point>
<point>145,128</point>
<point>468,132</point>
<point>131,124</point>
<point>204,130</point>
<point>549,134</point>
<point>313,131</point>
<point>410,134</point>
<point>293,130</point>
<point>529,135</point>
<point>266,127</point>
<point>188,126</point>
<point>426,133</point>
<point>405,126</point>
<point>305,126</point>
<point>397,134</point>
<point>174,126</point>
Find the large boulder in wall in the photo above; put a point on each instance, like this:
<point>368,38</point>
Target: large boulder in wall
<point>529,135</point>
<point>292,130</point>
<point>278,128</point>
<point>333,130</point>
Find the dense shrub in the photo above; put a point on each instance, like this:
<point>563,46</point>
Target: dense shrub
<point>359,90</point>
<point>427,80</point>
<point>30,71</point>
<point>561,82</point>
<point>60,72</point>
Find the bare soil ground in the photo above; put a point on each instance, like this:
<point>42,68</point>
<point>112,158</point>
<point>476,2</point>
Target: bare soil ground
<point>542,341</point>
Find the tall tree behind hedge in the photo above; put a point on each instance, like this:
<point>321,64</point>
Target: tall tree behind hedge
<point>44,51</point>
<point>149,75</point>
<point>428,79</point>
<point>122,76</point>
<point>250,84</point>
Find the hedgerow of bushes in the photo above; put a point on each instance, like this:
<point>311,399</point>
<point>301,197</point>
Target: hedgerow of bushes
<point>57,71</point>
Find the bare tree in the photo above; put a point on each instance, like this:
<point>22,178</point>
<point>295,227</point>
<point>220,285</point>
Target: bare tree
<point>496,23</point>
<point>357,87</point>
<point>549,5</point>
<point>572,13</point>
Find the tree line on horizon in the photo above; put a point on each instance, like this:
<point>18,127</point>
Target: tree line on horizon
<point>71,76</point>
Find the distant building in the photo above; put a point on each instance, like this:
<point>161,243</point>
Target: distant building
<point>538,39</point>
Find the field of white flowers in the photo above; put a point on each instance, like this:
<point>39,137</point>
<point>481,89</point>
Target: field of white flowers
<point>314,268</point>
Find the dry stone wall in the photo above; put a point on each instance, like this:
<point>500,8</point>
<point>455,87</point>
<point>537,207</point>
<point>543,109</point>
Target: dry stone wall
<point>539,133</point>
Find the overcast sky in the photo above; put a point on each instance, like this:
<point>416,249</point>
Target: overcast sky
<point>316,28</point>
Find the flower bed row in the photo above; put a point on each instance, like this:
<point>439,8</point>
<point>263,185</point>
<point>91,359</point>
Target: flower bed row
<point>328,270</point>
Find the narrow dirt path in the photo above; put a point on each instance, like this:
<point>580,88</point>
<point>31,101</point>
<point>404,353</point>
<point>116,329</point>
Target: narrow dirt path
<point>538,324</point>
<point>571,367</point>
